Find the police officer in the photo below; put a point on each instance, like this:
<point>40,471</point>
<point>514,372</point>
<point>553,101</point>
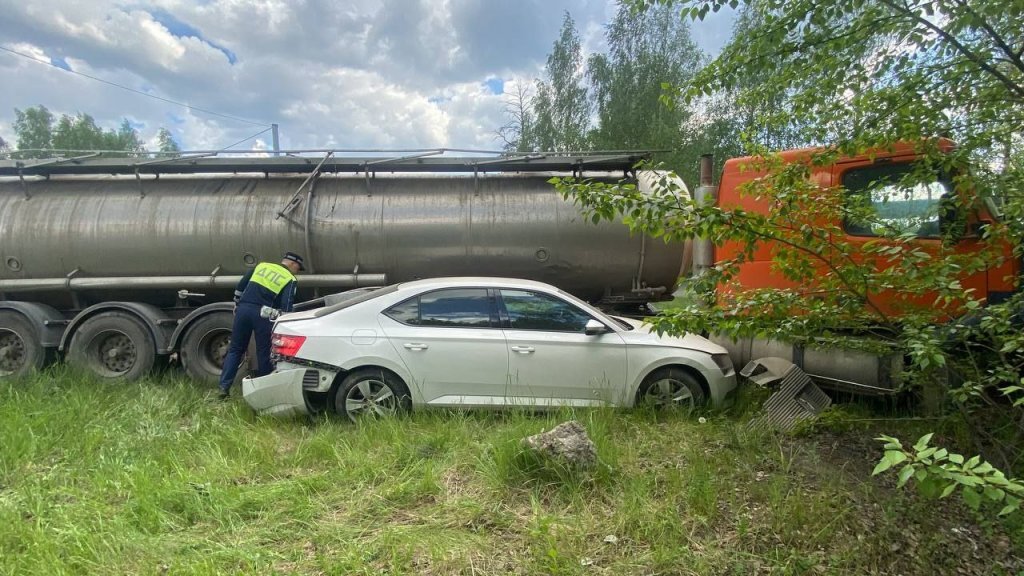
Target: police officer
<point>267,284</point>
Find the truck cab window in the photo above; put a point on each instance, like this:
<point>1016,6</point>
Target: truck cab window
<point>887,200</point>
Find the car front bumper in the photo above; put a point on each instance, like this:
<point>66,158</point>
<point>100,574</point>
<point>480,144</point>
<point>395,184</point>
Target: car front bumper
<point>276,394</point>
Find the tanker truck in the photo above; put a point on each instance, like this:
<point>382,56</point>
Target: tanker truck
<point>120,264</point>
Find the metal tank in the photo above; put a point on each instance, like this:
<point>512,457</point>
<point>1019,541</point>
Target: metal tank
<point>170,236</point>
<point>402,227</point>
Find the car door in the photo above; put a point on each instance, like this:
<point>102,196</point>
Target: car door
<point>551,360</point>
<point>451,342</point>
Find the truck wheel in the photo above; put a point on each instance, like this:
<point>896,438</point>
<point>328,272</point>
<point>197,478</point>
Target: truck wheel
<point>21,352</point>
<point>113,345</point>
<point>205,345</point>
<point>670,388</point>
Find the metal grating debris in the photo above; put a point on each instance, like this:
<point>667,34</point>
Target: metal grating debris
<point>797,398</point>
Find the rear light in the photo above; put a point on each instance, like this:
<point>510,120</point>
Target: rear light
<point>286,345</point>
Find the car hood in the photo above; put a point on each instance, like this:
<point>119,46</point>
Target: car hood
<point>641,335</point>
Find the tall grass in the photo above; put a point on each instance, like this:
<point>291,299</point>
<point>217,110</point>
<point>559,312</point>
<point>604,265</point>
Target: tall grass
<point>158,477</point>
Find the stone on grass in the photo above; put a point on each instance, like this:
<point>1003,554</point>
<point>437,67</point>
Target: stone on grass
<point>567,442</point>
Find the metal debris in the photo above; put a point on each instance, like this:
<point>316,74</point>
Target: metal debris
<point>797,398</point>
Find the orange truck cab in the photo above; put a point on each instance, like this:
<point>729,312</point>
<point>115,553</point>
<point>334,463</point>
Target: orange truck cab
<point>853,178</point>
<point>863,180</point>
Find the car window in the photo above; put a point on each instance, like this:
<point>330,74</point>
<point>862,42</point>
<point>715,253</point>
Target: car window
<point>452,308</point>
<point>892,205</point>
<point>535,311</point>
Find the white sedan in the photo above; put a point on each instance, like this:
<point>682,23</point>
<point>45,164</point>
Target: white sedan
<point>479,342</point>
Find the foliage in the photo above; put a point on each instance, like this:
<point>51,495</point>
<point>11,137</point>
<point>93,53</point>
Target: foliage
<point>858,78</point>
<point>644,51</point>
<point>37,129</point>
<point>560,107</point>
<point>81,133</point>
<point>166,141</point>
<point>978,480</point>
<point>34,129</point>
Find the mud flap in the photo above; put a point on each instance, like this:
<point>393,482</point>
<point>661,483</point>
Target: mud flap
<point>797,398</point>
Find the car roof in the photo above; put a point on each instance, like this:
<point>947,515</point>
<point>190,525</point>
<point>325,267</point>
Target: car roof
<point>475,281</point>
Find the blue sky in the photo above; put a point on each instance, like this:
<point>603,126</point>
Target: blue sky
<point>360,73</point>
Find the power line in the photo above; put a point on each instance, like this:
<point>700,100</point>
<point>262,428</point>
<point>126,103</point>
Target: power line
<point>189,106</point>
<point>244,139</point>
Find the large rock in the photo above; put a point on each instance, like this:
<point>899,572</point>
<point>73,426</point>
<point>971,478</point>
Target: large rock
<point>567,442</point>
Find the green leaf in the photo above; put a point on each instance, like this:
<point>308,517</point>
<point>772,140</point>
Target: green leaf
<point>890,459</point>
<point>948,490</point>
<point>905,475</point>
<point>923,442</point>
<point>994,494</point>
<point>972,498</point>
<point>983,468</point>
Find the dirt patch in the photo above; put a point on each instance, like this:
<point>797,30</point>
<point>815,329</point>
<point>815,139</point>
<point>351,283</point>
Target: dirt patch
<point>918,532</point>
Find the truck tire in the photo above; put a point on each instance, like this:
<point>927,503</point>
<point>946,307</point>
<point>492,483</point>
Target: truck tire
<point>113,345</point>
<point>205,345</point>
<point>21,352</point>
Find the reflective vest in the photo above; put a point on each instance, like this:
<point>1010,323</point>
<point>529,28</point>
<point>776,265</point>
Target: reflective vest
<point>273,277</point>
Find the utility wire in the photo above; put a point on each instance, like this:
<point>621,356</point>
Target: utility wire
<point>189,106</point>
<point>249,138</point>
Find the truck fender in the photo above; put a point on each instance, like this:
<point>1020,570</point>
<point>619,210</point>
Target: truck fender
<point>157,322</point>
<point>187,321</point>
<point>48,321</point>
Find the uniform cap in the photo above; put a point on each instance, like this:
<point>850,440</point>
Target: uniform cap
<point>295,258</point>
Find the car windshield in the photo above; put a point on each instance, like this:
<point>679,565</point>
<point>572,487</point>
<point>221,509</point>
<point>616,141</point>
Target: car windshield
<point>355,299</point>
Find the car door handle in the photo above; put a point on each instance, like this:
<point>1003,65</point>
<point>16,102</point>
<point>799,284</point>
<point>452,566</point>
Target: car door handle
<point>523,349</point>
<point>414,346</point>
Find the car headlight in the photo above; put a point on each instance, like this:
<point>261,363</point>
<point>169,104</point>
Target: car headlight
<point>723,361</point>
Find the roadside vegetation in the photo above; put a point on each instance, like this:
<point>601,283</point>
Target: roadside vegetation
<point>157,478</point>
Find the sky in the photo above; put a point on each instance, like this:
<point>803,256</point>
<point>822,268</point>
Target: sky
<point>392,74</point>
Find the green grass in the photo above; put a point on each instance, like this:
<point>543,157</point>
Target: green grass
<point>157,478</point>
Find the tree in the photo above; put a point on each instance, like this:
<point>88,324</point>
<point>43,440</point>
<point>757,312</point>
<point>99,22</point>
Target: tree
<point>644,51</point>
<point>4,147</point>
<point>855,77</point>
<point>33,128</point>
<point>126,138</point>
<point>519,133</point>
<point>761,119</point>
<point>560,107</point>
<point>36,129</point>
<point>166,141</point>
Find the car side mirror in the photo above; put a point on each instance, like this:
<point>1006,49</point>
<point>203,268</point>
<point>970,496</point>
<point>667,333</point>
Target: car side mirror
<point>594,328</point>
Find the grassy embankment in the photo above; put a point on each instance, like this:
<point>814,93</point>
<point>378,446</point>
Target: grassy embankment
<point>155,478</point>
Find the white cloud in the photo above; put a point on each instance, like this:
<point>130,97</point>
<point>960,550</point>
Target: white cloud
<point>362,73</point>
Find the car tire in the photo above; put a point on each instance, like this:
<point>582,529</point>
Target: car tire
<point>371,393</point>
<point>114,345</point>
<point>671,388</point>
<point>21,352</point>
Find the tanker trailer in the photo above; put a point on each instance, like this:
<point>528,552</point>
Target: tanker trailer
<point>116,263</point>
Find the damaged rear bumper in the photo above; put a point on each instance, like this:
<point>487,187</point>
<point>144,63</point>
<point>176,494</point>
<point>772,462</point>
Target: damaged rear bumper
<point>277,394</point>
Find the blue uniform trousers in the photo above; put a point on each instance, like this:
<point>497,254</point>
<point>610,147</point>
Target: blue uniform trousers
<point>247,321</point>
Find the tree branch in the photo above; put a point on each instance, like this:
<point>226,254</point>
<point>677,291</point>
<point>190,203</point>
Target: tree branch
<point>967,53</point>
<point>1015,59</point>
